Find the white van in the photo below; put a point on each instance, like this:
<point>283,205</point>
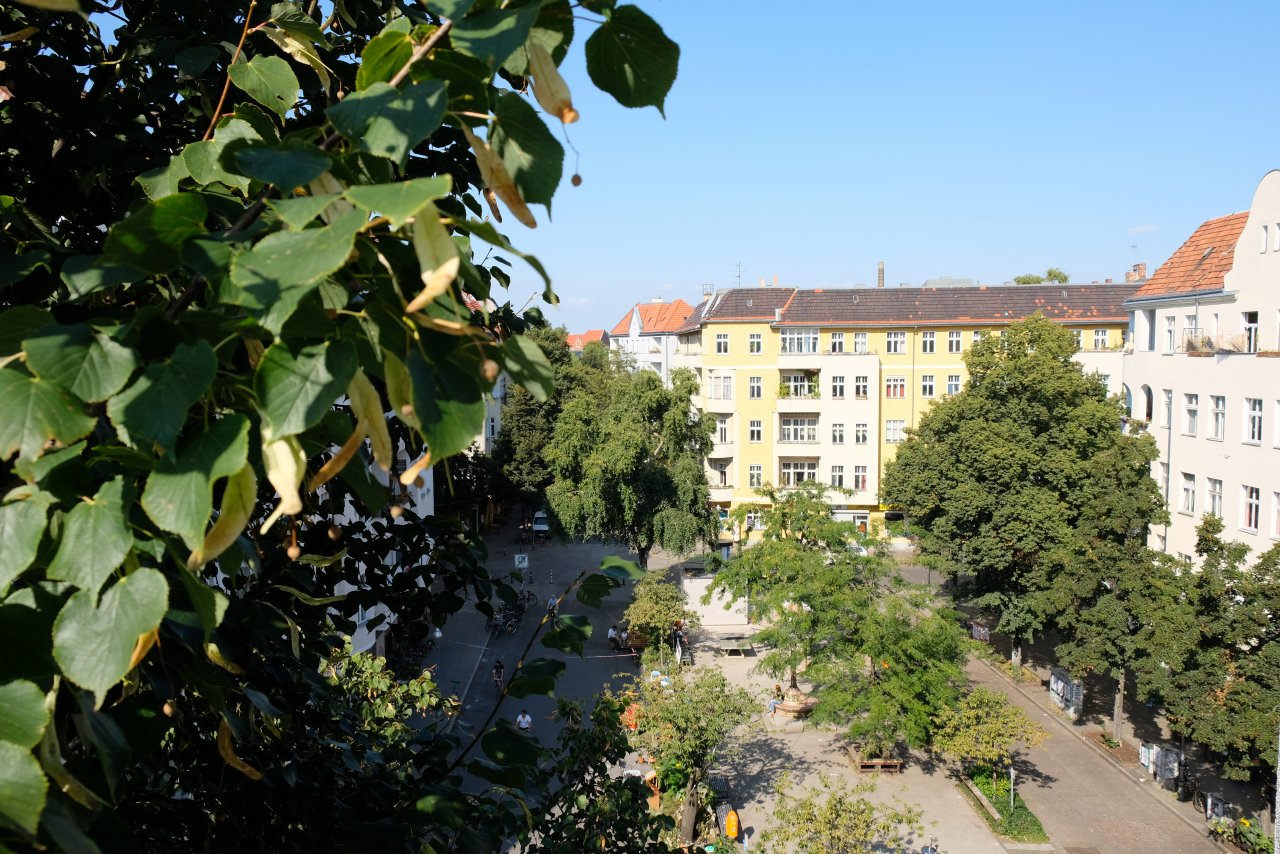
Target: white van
<point>540,523</point>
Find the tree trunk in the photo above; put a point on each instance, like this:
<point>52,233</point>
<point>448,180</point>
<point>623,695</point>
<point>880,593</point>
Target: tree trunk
<point>642,557</point>
<point>795,686</point>
<point>1117,713</point>
<point>1015,655</point>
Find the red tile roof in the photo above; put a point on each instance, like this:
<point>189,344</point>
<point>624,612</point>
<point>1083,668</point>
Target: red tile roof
<point>1200,264</point>
<point>656,317</point>
<point>578,340</point>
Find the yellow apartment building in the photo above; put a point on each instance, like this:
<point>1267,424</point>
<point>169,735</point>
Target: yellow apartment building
<point>823,384</point>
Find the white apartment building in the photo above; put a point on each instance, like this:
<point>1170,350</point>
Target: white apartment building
<point>1201,380</point>
<point>647,333</point>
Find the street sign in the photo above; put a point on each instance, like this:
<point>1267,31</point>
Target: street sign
<point>522,561</point>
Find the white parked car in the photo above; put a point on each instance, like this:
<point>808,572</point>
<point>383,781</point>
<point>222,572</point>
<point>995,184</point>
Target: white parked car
<point>540,524</point>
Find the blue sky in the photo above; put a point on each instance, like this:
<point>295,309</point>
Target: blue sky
<point>979,140</point>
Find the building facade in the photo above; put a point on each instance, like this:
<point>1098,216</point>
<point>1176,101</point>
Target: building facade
<point>647,334</point>
<point>1199,377</point>
<point>823,384</point>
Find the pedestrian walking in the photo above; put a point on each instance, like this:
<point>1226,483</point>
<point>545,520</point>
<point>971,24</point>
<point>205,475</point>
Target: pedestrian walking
<point>524,723</point>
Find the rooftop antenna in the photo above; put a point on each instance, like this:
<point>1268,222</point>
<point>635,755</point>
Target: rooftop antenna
<point>708,289</point>
<point>739,274</point>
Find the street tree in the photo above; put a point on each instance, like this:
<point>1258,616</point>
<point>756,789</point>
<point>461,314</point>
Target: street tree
<point>658,604</point>
<point>1213,664</point>
<point>833,817</point>
<point>234,237</point>
<point>1053,274</point>
<point>627,458</point>
<point>984,728</point>
<point>999,478</point>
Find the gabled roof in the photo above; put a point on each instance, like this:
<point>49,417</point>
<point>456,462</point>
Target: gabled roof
<point>694,320</point>
<point>995,304</point>
<point>656,318</point>
<point>578,340</point>
<point>1201,263</point>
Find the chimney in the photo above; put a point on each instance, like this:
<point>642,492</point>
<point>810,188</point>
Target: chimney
<point>775,280</point>
<point>1137,274</point>
<point>762,284</point>
<point>1107,282</point>
<point>880,275</point>
<point>777,315</point>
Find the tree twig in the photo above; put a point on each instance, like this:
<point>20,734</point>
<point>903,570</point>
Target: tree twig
<point>226,84</point>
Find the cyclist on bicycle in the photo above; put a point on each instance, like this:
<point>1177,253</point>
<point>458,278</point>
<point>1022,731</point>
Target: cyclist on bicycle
<point>497,674</point>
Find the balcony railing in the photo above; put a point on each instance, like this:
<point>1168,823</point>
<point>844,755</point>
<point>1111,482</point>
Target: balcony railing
<point>813,441</point>
<point>1194,341</point>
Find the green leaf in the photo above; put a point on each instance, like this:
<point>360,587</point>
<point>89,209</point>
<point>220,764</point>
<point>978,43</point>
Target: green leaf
<point>452,9</point>
<point>268,80</point>
<point>290,164</point>
<point>502,775</point>
<point>621,570</point>
<point>534,677</point>
<point>22,788</point>
<point>87,363</point>
<point>533,157</point>
<point>204,161</point>
<point>163,180</point>
<point>94,644</point>
<point>95,538</point>
<point>594,589</point>
<point>23,716</point>
<point>296,390</point>
<point>283,267</point>
<point>398,202</point>
<point>308,598</point>
<point>505,746</point>
<point>451,413</point>
<point>15,268</point>
<point>152,410</point>
<point>486,232</point>
<point>22,524</point>
<point>570,635</point>
<point>631,58</point>
<point>492,35</point>
<point>35,471</point>
<point>466,77</point>
<point>388,122</point>
<point>19,323</point>
<point>289,17</point>
<point>179,493</point>
<point>151,238</point>
<point>210,603</point>
<point>399,389</point>
<point>36,412</point>
<point>385,55</point>
<point>553,30</point>
<point>528,365</point>
<point>85,274</point>
<point>300,211</point>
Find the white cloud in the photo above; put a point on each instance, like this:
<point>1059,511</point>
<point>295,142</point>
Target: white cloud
<point>1141,229</point>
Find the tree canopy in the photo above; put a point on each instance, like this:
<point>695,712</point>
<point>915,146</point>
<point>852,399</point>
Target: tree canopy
<point>1026,475</point>
<point>984,727</point>
<point>234,237</point>
<point>627,458</point>
<point>1053,274</point>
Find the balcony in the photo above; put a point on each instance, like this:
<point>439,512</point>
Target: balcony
<point>717,404</point>
<point>1197,343</point>
<point>813,441</point>
<point>721,491</point>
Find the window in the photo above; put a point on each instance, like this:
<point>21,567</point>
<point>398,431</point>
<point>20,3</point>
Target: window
<point>799,430</point>
<point>1275,515</point>
<point>722,388</point>
<point>800,340</point>
<point>799,385</point>
<point>860,433</point>
<point>1188,493</point>
<point>1164,479</point>
<point>722,474</point>
<point>928,340</point>
<point>859,342</point>
<point>837,476</point>
<point>1250,319</point>
<point>722,429</point>
<point>1215,496</point>
<point>1099,339</point>
<point>1252,508</point>
<point>1077,335</point>
<point>926,385</point>
<point>895,387</point>
<point>837,434</point>
<point>977,336</point>
<point>754,343</point>
<point>755,476</point>
<point>798,471</point>
<point>753,388</point>
<point>894,430</point>
<point>896,342</point>
<point>837,388</point>
<point>953,383</point>
<point>1253,420</point>
<point>859,477</point>
<point>1219,417</point>
<point>837,342</point>
<point>755,431</point>
<point>953,341</point>
<point>1169,323</point>
<point>722,343</point>
<point>1193,414</point>
<point>493,428</point>
<point>1168,407</point>
<point>860,386</point>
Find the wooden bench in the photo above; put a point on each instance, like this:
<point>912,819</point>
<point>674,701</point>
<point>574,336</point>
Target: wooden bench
<point>871,766</point>
<point>796,709</point>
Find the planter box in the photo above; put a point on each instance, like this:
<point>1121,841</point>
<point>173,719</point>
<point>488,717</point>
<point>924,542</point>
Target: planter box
<point>872,766</point>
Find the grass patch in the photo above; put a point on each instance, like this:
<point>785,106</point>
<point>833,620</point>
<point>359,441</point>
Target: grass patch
<point>1019,824</point>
